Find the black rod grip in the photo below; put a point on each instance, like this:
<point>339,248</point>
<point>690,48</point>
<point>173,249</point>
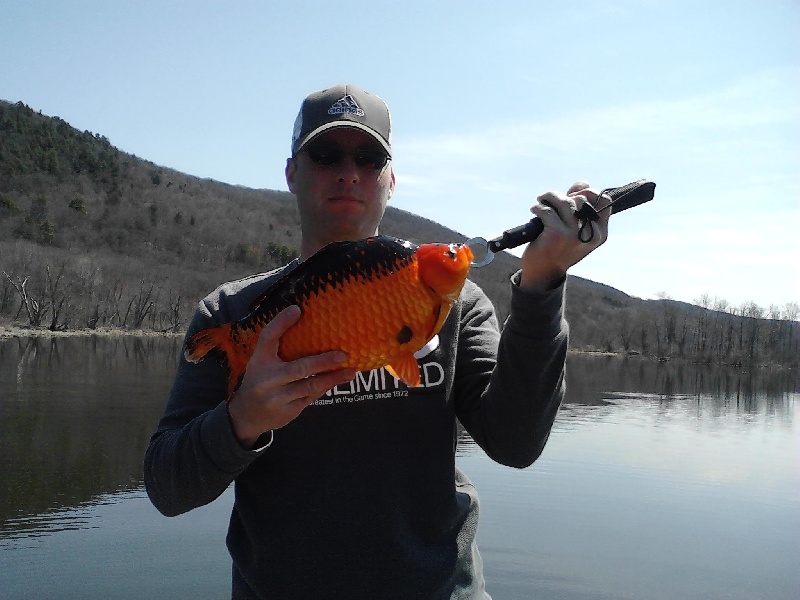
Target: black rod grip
<point>517,236</point>
<point>622,198</point>
<point>633,194</point>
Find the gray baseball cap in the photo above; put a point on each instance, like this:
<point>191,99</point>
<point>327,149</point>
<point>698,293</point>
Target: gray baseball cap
<point>342,106</point>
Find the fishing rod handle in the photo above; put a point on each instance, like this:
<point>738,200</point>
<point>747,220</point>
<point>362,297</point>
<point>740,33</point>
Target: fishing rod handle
<point>622,198</point>
<point>511,238</point>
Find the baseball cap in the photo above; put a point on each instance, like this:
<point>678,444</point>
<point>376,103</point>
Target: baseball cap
<point>344,105</point>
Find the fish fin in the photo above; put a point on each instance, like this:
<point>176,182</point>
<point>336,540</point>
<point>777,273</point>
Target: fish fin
<point>220,339</point>
<point>443,310</point>
<point>406,369</point>
<point>266,293</point>
<point>206,340</point>
<point>319,264</point>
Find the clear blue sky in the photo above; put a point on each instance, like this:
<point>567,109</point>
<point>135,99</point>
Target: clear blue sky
<point>493,103</point>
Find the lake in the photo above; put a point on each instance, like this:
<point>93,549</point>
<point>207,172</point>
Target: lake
<point>660,481</point>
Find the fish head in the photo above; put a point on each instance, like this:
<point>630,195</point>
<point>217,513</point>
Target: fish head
<point>444,268</point>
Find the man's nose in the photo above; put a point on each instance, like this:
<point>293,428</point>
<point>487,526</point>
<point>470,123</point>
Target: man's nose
<point>348,171</point>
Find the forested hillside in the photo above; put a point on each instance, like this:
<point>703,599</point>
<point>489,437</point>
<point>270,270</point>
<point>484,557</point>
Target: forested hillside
<point>93,237</point>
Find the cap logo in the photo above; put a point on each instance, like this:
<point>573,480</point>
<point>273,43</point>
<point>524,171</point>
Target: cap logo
<point>346,105</point>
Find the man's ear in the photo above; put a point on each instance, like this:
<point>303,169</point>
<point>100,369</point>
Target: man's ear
<point>391,185</point>
<point>291,169</point>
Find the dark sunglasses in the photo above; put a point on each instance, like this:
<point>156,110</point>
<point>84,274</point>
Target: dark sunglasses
<point>328,156</point>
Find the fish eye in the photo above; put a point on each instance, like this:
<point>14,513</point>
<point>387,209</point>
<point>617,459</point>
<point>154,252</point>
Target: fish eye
<point>451,251</point>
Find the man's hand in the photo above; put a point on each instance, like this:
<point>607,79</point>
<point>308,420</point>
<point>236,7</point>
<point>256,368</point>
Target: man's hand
<point>274,392</point>
<point>545,261</point>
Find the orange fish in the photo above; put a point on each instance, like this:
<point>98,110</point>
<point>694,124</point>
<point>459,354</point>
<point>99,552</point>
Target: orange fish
<point>379,300</point>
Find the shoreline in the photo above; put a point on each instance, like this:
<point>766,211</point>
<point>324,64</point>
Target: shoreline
<point>15,331</point>
<point>8,332</point>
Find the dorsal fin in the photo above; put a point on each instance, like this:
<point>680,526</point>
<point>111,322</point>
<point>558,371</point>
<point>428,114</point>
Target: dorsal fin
<point>339,260</point>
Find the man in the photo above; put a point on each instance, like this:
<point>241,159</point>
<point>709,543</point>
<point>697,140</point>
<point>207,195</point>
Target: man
<point>345,482</point>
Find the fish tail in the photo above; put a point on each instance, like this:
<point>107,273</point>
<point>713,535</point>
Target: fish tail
<point>220,339</point>
<point>203,342</point>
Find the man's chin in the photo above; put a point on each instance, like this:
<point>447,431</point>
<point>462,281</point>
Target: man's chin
<point>343,229</point>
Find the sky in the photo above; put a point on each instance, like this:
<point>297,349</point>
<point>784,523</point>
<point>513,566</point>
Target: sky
<point>493,103</point>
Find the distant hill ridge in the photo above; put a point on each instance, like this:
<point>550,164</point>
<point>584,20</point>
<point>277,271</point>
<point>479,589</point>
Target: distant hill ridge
<point>91,236</point>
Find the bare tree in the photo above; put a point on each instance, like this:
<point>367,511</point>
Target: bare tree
<point>35,305</point>
<point>140,306</point>
<point>57,295</point>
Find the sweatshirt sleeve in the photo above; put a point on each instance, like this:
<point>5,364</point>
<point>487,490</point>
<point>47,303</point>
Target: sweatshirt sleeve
<point>194,455</point>
<point>510,417</point>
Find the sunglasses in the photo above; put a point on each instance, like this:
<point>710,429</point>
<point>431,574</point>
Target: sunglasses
<point>328,156</point>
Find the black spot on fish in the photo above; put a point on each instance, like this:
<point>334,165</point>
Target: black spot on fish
<point>404,335</point>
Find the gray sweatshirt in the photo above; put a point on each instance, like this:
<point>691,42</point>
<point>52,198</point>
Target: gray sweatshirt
<point>359,497</point>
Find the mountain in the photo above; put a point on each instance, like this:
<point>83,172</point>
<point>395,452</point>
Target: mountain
<point>91,236</point>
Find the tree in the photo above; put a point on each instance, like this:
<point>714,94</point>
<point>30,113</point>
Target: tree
<point>35,305</point>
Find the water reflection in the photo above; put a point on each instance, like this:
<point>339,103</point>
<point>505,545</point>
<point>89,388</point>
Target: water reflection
<point>75,416</point>
<point>76,413</point>
<point>52,521</point>
<point>599,385</point>
<point>672,449</point>
<point>596,380</point>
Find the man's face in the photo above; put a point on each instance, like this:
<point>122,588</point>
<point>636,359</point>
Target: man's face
<point>342,200</point>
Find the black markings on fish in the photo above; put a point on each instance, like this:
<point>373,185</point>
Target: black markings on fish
<point>370,258</point>
<point>404,335</point>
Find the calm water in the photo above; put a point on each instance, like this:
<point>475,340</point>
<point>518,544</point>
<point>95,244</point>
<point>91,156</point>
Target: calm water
<point>659,482</point>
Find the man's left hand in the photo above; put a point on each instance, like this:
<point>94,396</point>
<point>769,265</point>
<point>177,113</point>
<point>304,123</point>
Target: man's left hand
<point>545,261</point>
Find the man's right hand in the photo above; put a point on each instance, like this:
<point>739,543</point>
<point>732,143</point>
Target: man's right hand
<point>274,392</point>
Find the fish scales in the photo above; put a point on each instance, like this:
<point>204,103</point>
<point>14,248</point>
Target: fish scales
<point>378,295</point>
<point>379,300</point>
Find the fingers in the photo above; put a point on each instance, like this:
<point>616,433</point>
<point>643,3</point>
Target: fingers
<point>295,397</point>
<point>273,379</point>
<point>565,204</point>
<point>556,210</point>
<point>269,399</point>
<point>273,392</point>
<point>269,343</point>
<point>599,227</point>
<point>553,207</point>
<point>311,375</point>
<point>577,187</point>
<point>566,239</point>
<point>270,337</point>
<point>300,394</point>
<point>310,365</point>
